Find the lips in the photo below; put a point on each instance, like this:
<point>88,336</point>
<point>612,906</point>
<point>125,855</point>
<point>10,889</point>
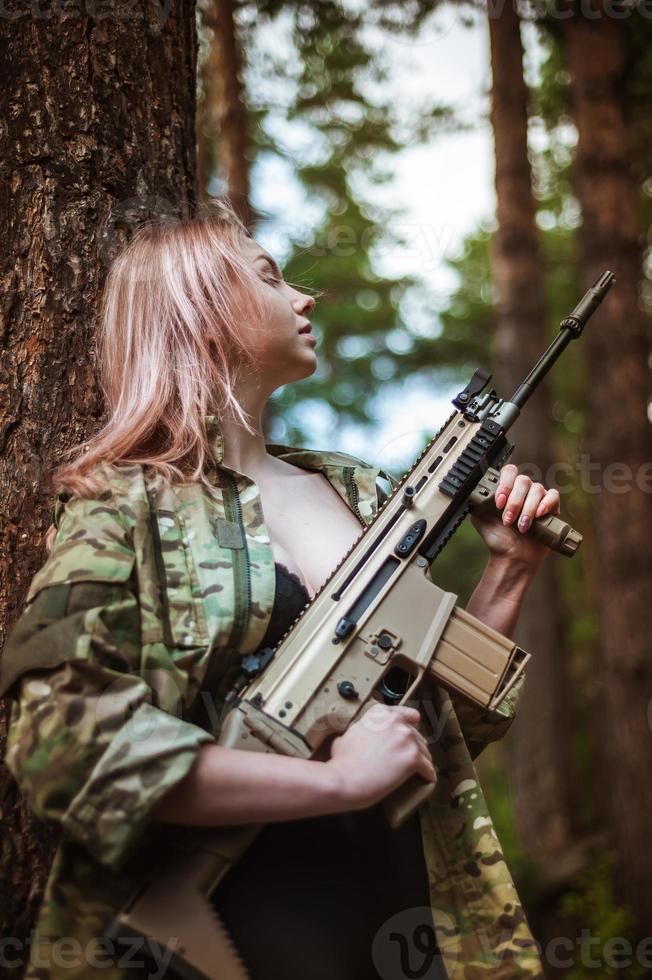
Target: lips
<point>306,328</point>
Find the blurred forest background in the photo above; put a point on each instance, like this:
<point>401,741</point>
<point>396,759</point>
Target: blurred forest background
<point>304,84</point>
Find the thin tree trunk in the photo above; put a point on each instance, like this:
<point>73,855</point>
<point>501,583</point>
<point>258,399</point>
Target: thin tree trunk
<point>207,107</point>
<point>204,134</point>
<point>98,134</point>
<point>225,111</point>
<point>617,347</point>
<point>539,745</point>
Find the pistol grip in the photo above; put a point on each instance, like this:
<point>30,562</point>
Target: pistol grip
<point>405,799</point>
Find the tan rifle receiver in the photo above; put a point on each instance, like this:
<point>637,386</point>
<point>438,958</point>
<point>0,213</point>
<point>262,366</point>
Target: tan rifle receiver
<point>379,629</point>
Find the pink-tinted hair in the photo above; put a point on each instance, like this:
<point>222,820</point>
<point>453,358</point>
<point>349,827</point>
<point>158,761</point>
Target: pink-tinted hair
<point>169,349</point>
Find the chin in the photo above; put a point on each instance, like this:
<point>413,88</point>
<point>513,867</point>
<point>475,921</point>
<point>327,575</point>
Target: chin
<point>311,367</point>
<point>303,370</point>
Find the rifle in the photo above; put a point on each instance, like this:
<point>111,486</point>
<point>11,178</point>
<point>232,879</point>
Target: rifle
<point>377,629</point>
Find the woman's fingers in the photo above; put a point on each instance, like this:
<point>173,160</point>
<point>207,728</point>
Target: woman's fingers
<point>516,498</point>
<point>549,504</point>
<point>427,770</point>
<point>535,495</point>
<point>505,483</point>
<point>426,765</point>
<point>423,743</point>
<point>410,717</point>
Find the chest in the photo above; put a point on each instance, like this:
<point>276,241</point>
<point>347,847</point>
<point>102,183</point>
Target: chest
<point>310,527</point>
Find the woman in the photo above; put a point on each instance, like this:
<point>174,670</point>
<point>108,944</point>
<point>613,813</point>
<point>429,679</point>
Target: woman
<point>163,571</point>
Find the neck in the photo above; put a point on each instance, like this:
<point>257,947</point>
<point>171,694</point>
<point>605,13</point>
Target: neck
<point>244,452</point>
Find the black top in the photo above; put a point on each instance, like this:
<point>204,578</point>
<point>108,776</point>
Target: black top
<point>322,897</point>
<point>290,597</point>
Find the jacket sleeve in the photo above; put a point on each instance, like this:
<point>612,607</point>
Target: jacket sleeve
<point>86,742</point>
<point>480,727</point>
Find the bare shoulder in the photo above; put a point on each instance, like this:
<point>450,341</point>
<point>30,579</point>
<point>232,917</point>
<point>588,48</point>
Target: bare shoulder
<point>282,470</point>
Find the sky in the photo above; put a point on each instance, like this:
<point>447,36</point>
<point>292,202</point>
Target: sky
<point>445,190</point>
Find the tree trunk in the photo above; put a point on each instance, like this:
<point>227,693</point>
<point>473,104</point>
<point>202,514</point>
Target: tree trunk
<point>224,110</point>
<point>539,745</point>
<point>205,127</point>
<point>98,134</point>
<point>617,347</point>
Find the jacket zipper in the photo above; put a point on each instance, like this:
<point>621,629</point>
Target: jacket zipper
<point>241,568</point>
<point>223,668</point>
<point>354,493</point>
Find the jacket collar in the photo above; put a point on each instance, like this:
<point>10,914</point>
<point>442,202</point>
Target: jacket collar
<point>215,437</point>
<point>297,454</point>
<point>329,462</point>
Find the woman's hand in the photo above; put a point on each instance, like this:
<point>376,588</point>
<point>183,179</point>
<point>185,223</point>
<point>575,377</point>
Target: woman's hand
<point>379,752</point>
<point>520,500</point>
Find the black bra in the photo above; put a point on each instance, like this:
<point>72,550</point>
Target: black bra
<point>289,599</point>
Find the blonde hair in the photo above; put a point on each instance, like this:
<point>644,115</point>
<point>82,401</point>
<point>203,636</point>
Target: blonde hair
<point>169,349</point>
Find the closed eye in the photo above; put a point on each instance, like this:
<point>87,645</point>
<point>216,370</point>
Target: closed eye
<point>270,272</point>
<point>269,277</point>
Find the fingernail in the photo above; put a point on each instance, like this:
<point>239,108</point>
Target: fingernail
<point>508,517</point>
<point>500,499</point>
<point>524,523</point>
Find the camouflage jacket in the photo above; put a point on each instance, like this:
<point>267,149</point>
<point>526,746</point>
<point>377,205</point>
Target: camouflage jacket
<point>135,599</point>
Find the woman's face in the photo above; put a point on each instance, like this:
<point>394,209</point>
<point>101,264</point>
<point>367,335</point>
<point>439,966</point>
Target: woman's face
<point>282,351</point>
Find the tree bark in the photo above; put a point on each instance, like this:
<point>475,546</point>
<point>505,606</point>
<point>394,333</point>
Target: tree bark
<point>617,346</point>
<point>539,745</point>
<point>98,134</point>
<point>225,123</point>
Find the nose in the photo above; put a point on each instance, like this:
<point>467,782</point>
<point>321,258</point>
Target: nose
<point>304,304</point>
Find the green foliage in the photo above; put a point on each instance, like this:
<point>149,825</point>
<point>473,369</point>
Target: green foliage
<point>468,321</point>
<point>593,906</point>
<point>550,100</point>
<point>335,77</point>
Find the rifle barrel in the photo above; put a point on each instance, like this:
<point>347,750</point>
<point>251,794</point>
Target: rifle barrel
<point>570,329</point>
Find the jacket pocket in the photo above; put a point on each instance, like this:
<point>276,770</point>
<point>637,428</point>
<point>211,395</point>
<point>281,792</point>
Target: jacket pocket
<point>183,606</point>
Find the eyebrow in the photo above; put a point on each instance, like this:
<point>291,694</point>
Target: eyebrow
<point>272,262</point>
